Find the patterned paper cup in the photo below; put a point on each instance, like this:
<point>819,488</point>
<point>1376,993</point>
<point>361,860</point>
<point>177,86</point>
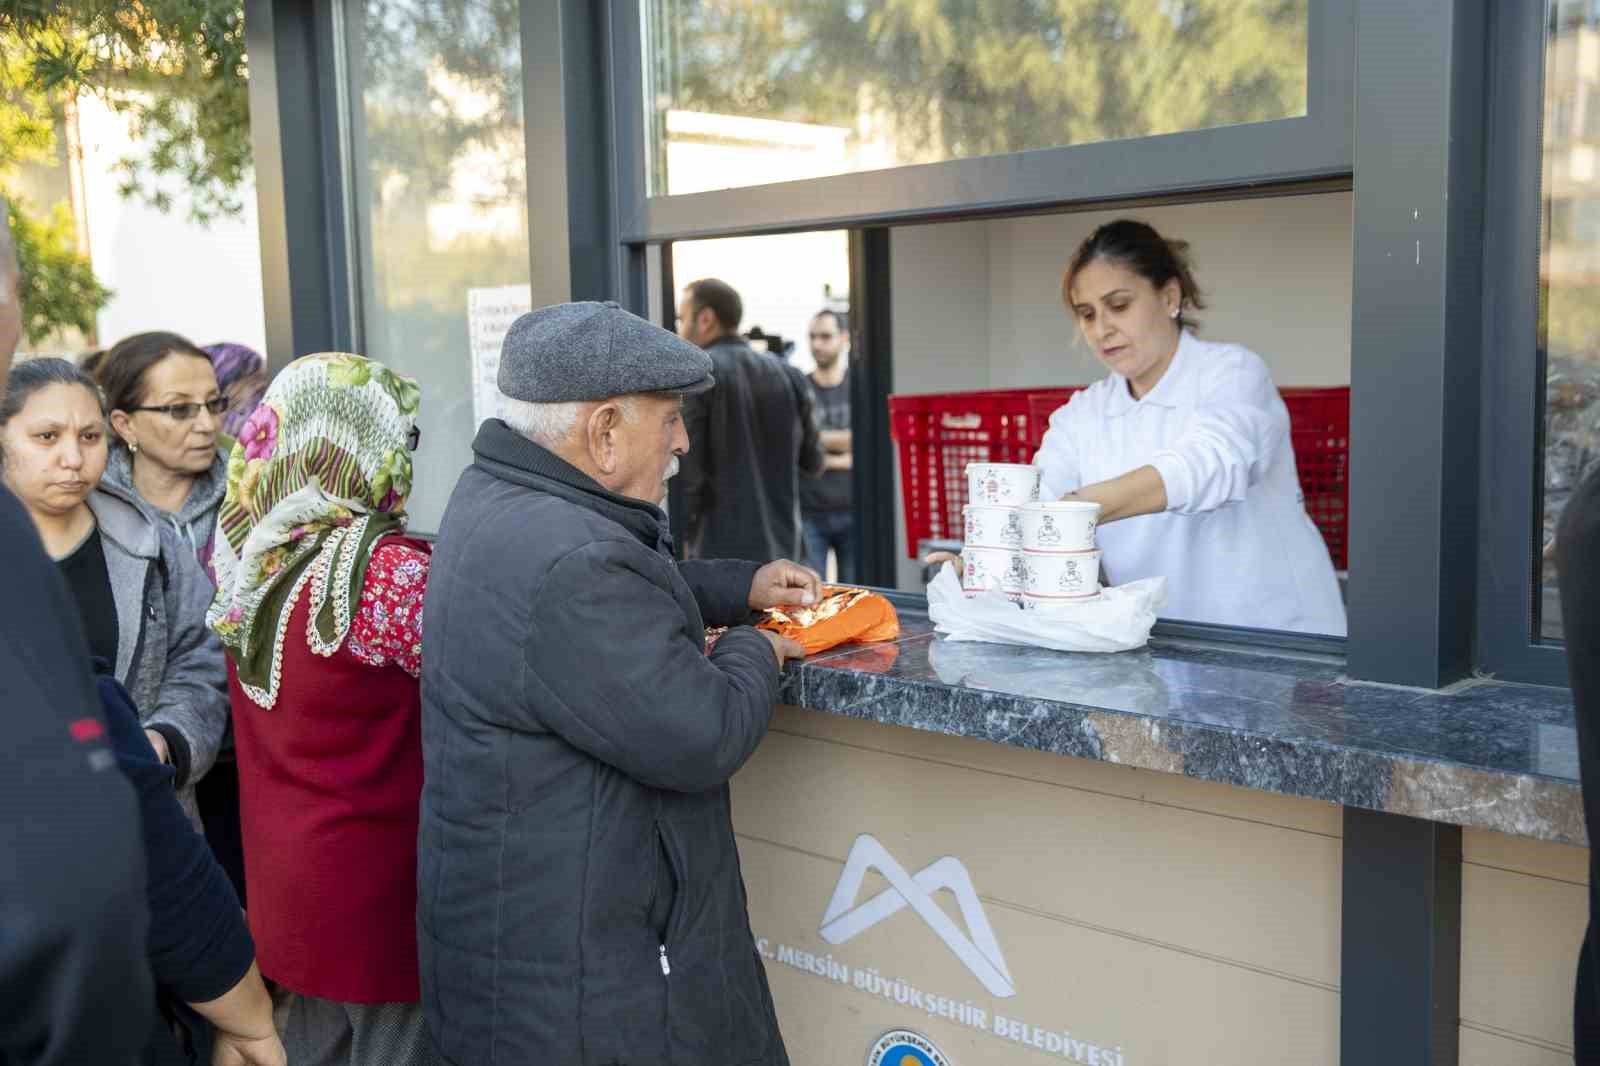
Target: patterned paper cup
<point>1059,525</point>
<point>1060,576</point>
<point>1034,603</point>
<point>991,568</point>
<point>992,527</point>
<point>1006,484</point>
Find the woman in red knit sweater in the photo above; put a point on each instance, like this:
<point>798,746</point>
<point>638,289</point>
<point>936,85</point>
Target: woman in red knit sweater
<point>319,604</point>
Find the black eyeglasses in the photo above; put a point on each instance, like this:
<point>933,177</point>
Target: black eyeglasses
<point>413,438</point>
<point>186,412</point>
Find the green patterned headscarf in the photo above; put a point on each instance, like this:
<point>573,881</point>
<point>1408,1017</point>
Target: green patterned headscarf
<point>321,470</point>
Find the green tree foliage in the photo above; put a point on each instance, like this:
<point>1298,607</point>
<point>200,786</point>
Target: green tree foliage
<point>960,78</point>
<point>59,288</point>
<point>175,69</point>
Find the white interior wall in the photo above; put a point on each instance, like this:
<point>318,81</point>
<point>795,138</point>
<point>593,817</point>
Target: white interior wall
<point>1276,274</point>
<point>940,326</point>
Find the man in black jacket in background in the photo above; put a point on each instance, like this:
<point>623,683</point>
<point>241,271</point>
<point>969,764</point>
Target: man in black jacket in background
<point>1578,558</point>
<point>75,985</point>
<point>750,439</point>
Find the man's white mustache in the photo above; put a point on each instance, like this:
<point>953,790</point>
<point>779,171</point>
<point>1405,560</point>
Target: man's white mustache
<point>672,469</point>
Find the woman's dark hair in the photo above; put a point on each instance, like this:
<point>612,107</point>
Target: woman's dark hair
<point>1136,246</point>
<point>123,371</point>
<point>32,375</point>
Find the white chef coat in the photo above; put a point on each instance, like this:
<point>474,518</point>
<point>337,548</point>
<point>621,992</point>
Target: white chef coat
<point>1235,542</point>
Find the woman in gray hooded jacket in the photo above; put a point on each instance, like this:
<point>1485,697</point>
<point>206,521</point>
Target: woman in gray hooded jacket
<point>141,594</point>
<point>166,411</point>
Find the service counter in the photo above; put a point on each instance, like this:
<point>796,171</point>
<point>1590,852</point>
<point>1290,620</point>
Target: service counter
<point>1186,855</point>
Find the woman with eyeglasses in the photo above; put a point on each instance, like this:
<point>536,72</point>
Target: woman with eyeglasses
<point>166,414</point>
<point>319,605</point>
<point>168,409</point>
<point>139,589</point>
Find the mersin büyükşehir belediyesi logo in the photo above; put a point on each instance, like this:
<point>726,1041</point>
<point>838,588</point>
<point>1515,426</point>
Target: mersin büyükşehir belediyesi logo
<point>978,952</point>
<point>902,1047</point>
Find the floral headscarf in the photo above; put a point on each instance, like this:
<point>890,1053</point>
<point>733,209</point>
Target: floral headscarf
<point>320,471</point>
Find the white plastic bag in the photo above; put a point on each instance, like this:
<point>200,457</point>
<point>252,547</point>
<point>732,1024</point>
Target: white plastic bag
<point>1119,619</point>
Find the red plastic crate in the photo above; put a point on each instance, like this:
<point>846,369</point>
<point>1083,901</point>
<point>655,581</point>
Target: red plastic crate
<point>1042,403</point>
<point>1319,428</point>
<point>940,434</point>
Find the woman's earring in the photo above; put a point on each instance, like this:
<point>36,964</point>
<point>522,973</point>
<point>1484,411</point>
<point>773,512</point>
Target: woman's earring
<point>133,446</point>
<point>1174,313</point>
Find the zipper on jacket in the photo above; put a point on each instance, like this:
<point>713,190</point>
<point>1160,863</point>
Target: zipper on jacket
<point>666,967</point>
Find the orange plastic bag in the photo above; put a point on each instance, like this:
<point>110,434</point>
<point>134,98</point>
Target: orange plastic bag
<point>844,615</point>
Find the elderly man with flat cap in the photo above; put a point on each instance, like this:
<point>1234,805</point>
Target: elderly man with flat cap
<point>579,896</point>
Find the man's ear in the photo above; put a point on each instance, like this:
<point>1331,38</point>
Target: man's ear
<point>603,423</point>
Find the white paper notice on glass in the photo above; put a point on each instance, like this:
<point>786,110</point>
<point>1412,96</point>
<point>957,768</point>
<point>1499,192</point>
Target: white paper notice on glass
<point>490,313</point>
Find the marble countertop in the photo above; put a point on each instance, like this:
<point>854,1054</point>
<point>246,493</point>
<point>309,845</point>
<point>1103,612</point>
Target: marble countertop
<point>1483,754</point>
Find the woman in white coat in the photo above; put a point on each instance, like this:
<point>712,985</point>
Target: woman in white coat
<point>1185,445</point>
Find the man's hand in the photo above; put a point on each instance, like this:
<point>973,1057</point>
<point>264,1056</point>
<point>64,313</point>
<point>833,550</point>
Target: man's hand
<point>230,1050</point>
<point>159,742</point>
<point>784,584</point>
<point>784,648</point>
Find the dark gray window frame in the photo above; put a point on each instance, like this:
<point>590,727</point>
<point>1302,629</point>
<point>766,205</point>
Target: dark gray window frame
<point>1319,144</point>
<point>1513,364</point>
<point>303,196</point>
<point>1396,99</point>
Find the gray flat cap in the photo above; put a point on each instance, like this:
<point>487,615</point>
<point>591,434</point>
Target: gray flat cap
<point>593,351</point>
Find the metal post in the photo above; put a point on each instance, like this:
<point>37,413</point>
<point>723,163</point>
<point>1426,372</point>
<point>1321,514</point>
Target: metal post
<point>1417,312</point>
<point>1400,957</point>
<point>871,382</point>
<point>294,134</point>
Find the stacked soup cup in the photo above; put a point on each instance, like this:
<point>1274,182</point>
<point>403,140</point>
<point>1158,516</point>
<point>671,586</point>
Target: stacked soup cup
<point>991,553</point>
<point>1060,563</point>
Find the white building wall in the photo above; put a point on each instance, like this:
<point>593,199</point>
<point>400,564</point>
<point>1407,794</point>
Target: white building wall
<point>168,272</point>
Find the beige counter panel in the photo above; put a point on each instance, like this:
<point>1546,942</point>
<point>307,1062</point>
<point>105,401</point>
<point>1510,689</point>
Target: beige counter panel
<point>1177,923</point>
<point>1158,1004</point>
<point>1524,905</point>
<point>1484,1049</point>
<point>1169,920</point>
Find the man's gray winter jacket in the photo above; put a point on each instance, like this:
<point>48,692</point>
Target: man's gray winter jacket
<point>579,899</point>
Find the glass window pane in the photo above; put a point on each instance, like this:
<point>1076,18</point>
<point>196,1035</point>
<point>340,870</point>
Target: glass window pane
<point>441,192</point>
<point>1569,277</point>
<point>746,93</point>
<point>977,308</point>
<point>794,305</point>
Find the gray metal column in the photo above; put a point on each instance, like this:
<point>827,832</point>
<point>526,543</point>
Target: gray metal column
<point>300,188</point>
<point>1400,951</point>
<point>566,114</point>
<point>1419,178</point>
<point>871,382</point>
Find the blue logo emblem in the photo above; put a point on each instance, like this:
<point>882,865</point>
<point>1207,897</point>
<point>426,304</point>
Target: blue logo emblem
<point>902,1047</point>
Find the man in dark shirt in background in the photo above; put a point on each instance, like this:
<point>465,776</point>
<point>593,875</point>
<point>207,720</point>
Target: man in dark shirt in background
<point>75,983</point>
<point>825,501</point>
<point>750,439</point>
